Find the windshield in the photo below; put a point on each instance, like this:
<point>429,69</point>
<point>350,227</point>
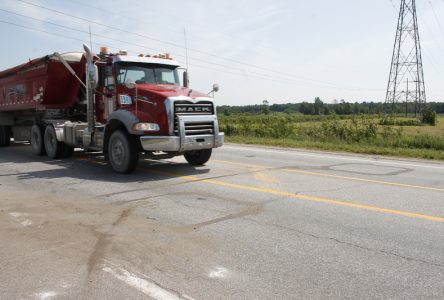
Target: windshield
<point>147,73</point>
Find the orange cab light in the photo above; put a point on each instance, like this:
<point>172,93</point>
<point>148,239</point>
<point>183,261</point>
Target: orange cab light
<point>103,50</point>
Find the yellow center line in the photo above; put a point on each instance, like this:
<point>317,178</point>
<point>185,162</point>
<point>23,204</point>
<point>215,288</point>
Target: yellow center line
<point>291,195</point>
<point>263,168</point>
<point>301,197</point>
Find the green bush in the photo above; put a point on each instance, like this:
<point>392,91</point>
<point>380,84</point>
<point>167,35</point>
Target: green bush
<point>429,116</point>
<point>394,121</point>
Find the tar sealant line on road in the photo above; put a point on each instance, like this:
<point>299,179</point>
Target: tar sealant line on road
<point>304,197</point>
<point>265,168</point>
<point>374,161</point>
<point>144,286</point>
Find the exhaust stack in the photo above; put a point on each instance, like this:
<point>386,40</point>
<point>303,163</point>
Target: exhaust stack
<point>91,81</point>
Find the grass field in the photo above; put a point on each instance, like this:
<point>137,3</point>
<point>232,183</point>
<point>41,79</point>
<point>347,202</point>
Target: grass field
<point>358,134</point>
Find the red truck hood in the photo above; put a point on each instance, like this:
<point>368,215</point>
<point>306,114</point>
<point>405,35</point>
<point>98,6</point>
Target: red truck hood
<point>167,91</point>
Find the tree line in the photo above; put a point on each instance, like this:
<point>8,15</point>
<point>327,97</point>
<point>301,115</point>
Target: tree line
<point>318,107</point>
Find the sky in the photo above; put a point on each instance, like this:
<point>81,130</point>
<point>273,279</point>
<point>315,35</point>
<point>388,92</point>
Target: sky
<point>280,51</point>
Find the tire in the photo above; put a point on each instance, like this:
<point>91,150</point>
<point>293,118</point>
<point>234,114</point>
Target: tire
<point>54,148</point>
<point>37,144</point>
<point>198,157</point>
<point>123,153</point>
<point>5,136</point>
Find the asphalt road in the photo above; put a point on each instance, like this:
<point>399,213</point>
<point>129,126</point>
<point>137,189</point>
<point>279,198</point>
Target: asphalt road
<point>254,223</point>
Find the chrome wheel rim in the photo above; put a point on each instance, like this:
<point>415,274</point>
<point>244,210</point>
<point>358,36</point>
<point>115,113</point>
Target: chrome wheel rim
<point>118,152</point>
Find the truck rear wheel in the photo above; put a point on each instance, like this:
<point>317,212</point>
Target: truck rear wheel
<point>54,148</point>
<point>38,147</point>
<point>5,136</point>
<point>123,152</point>
<point>198,157</point>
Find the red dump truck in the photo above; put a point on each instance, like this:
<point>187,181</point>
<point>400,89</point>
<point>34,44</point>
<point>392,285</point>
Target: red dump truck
<point>121,105</point>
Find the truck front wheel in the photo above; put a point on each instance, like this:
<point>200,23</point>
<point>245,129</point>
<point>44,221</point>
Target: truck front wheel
<point>123,152</point>
<point>54,148</point>
<point>5,136</point>
<point>198,157</point>
<point>37,145</point>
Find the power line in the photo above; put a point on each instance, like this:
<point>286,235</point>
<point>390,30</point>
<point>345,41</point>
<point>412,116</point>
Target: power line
<point>170,28</point>
<point>149,37</point>
<point>263,77</point>
<point>182,47</point>
<point>290,80</point>
<point>79,30</point>
<point>438,68</point>
<point>436,17</point>
<point>428,55</point>
<point>77,39</point>
<point>80,40</point>
<point>130,43</point>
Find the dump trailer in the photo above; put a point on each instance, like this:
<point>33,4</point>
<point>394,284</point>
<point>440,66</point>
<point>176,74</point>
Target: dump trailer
<point>124,106</point>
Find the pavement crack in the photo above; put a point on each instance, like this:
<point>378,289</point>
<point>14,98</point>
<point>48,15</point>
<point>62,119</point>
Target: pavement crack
<point>127,202</point>
<point>381,251</point>
<point>250,210</point>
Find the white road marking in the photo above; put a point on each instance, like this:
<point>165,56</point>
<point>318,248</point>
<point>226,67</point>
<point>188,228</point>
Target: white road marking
<point>218,273</point>
<point>375,161</point>
<point>148,288</point>
<point>22,218</point>
<point>66,285</point>
<point>46,295</point>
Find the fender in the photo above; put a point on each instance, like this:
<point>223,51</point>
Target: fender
<point>116,120</point>
<point>127,118</point>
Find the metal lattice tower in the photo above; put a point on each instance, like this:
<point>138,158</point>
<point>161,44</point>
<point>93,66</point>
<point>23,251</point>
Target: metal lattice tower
<point>406,81</point>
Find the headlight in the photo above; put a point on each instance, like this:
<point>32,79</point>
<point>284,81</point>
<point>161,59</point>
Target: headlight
<point>146,127</point>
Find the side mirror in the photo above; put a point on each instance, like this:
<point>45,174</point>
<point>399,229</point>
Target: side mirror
<point>130,84</point>
<point>186,83</point>
<point>215,89</point>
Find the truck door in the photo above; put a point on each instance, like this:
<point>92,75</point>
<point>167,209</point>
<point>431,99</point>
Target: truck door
<point>109,92</point>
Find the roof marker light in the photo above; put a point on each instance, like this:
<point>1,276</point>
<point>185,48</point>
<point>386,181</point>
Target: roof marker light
<point>103,50</point>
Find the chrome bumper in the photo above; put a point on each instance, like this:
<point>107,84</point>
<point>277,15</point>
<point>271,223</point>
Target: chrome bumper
<point>182,142</point>
<point>178,144</point>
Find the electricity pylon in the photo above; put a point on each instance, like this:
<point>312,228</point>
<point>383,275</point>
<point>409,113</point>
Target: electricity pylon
<point>406,81</point>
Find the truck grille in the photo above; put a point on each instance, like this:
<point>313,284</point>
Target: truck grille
<point>199,128</point>
<point>188,108</point>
